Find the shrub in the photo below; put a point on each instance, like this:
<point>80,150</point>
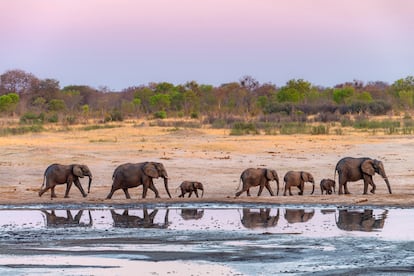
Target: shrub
<point>160,114</point>
<point>243,128</point>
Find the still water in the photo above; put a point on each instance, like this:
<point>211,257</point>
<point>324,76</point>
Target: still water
<point>206,240</point>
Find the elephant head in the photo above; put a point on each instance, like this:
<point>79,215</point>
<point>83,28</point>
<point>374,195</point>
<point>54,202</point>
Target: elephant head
<point>156,170</point>
<point>272,175</point>
<point>372,166</point>
<point>198,185</point>
<point>308,177</point>
<point>82,171</point>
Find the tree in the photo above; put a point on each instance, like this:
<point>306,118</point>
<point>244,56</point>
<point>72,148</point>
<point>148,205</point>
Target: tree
<point>57,105</point>
<point>340,95</point>
<point>17,81</point>
<point>9,102</point>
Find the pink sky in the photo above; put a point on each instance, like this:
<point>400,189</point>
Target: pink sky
<point>119,43</point>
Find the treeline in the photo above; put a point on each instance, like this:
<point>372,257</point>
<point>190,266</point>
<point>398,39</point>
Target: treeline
<point>43,100</point>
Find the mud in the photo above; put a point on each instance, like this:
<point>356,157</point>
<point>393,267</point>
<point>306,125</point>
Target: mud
<point>206,239</point>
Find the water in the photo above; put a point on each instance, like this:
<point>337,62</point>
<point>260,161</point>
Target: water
<point>206,240</point>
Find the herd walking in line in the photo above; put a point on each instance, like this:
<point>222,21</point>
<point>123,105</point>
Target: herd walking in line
<point>130,175</point>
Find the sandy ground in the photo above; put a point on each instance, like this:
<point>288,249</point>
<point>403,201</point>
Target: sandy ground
<point>211,156</point>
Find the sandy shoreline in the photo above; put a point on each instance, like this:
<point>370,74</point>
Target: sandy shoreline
<point>210,156</point>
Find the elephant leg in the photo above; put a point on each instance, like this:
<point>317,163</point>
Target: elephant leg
<point>260,190</point>
<point>346,188</point>
<point>126,193</point>
<point>196,193</point>
<point>152,187</point>
<point>52,190</point>
<point>182,193</point>
<point>284,191</point>
<point>269,189</point>
<point>190,193</point>
<point>111,193</point>
<point>248,191</point>
<point>301,188</point>
<point>290,191</point>
<point>341,183</point>
<point>68,186</point>
<point>79,186</point>
<point>42,191</point>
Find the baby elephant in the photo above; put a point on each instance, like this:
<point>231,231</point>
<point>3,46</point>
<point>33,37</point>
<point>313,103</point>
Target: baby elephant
<point>190,187</point>
<point>327,185</point>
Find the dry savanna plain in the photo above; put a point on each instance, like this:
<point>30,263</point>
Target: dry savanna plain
<point>210,156</point>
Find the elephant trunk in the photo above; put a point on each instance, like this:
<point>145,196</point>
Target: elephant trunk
<point>313,187</point>
<point>202,192</point>
<point>388,184</point>
<point>277,185</point>
<point>89,185</point>
<point>166,186</point>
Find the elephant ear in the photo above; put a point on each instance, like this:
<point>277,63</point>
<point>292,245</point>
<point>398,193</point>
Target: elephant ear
<point>269,174</point>
<point>150,170</point>
<point>367,167</point>
<point>77,171</point>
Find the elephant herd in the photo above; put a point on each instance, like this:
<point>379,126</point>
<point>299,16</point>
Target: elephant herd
<point>131,175</point>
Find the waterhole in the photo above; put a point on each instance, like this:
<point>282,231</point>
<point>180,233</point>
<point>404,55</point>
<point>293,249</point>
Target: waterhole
<point>243,240</point>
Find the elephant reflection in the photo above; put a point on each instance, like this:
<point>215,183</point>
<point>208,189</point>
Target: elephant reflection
<point>188,214</point>
<point>298,215</point>
<point>69,221</point>
<point>360,220</point>
<point>125,220</point>
<point>259,219</point>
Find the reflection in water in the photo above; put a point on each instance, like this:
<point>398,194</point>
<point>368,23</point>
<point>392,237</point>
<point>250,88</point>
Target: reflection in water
<point>360,220</point>
<point>259,219</point>
<point>125,220</point>
<point>69,221</point>
<point>298,215</point>
<point>192,214</point>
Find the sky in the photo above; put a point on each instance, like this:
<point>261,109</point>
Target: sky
<point>121,43</point>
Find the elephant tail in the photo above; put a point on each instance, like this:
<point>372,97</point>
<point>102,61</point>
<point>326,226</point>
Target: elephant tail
<point>238,187</point>
<point>43,183</point>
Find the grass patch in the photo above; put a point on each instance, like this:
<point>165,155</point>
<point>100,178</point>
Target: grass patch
<point>294,128</point>
<point>320,130</point>
<point>21,130</point>
<point>244,129</point>
<point>95,127</point>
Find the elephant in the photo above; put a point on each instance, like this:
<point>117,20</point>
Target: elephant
<point>327,186</point>
<point>192,214</point>
<point>125,220</point>
<point>59,174</point>
<point>298,215</point>
<point>259,219</point>
<point>59,221</point>
<point>190,187</point>
<point>131,175</point>
<point>354,169</point>
<point>297,179</point>
<point>258,177</point>
<point>357,220</point>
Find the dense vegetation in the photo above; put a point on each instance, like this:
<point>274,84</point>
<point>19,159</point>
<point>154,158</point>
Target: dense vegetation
<point>245,105</point>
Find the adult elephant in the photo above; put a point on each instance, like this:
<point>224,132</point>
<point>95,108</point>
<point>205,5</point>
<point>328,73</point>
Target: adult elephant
<point>297,179</point>
<point>125,220</point>
<point>258,177</point>
<point>131,175</point>
<point>354,169</point>
<point>57,174</point>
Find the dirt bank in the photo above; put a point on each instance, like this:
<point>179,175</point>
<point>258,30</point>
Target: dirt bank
<point>211,156</point>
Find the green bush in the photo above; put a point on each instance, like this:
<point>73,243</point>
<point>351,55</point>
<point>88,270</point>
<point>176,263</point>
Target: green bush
<point>32,118</point>
<point>160,114</point>
<point>243,128</point>
<point>319,130</point>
